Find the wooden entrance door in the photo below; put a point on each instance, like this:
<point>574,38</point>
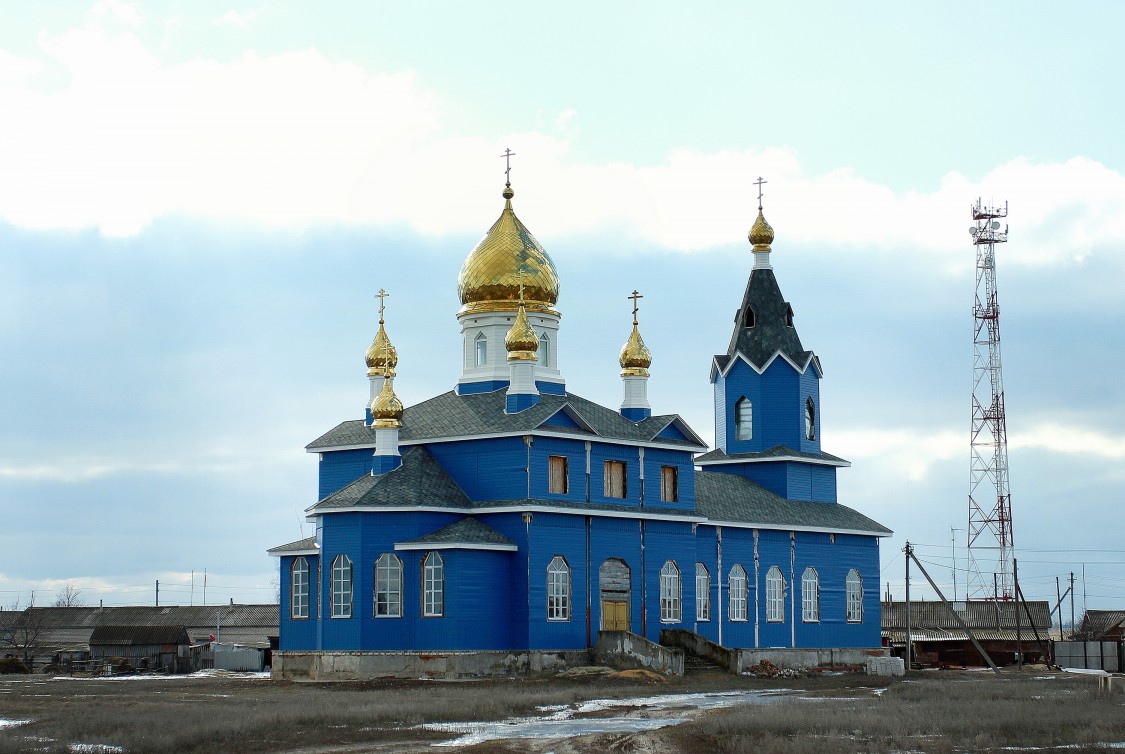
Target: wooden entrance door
<point>614,585</point>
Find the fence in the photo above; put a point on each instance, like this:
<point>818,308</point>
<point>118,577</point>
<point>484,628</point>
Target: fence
<point>1090,655</point>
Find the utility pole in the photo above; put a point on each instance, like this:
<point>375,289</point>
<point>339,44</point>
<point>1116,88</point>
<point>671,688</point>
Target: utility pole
<point>1016,594</point>
<point>158,592</point>
<point>1058,604</point>
<point>1072,604</point>
<point>909,553</point>
<point>953,541</point>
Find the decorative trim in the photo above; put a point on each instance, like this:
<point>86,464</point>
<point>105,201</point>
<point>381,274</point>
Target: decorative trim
<point>775,459</point>
<point>286,553</point>
<point>786,527</point>
<point>777,354</point>
<point>454,546</point>
<point>638,513</point>
<point>533,432</point>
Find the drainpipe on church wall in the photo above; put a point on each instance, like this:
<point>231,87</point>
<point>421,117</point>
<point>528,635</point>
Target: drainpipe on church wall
<point>589,576</point>
<point>792,589</point>
<point>644,585</point>
<point>641,462</point>
<point>587,471</point>
<point>527,526</point>
<point>527,469</point>
<point>757,607</point>
<point>719,579</point>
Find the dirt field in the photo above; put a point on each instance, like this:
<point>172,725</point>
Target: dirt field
<point>940,711</point>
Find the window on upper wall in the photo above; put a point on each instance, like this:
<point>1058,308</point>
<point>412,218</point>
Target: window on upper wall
<point>481,350</point>
<point>810,596</point>
<point>775,596</point>
<point>854,597</point>
<point>736,588</point>
<point>388,586</point>
<point>750,318</point>
<point>558,473</point>
<point>342,587</point>
<point>702,593</point>
<point>744,419</point>
<point>810,418</point>
<point>670,609</point>
<point>544,353</point>
<point>614,479</point>
<point>669,485</point>
<point>558,589</point>
<point>299,589</point>
<point>433,586</point>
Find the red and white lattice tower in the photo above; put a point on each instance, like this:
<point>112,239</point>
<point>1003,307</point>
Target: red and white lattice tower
<point>990,503</point>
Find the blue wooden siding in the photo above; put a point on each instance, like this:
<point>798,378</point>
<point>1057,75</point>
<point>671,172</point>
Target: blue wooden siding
<point>485,386</point>
<point>795,480</point>
<point>561,419</point>
<point>809,387</point>
<point>599,454</point>
<point>664,541</point>
<point>721,423</point>
<point>542,448</point>
<point>300,633</point>
<point>672,432</point>
<point>492,469</point>
<point>339,468</point>
<point>681,460</point>
<point>778,397</point>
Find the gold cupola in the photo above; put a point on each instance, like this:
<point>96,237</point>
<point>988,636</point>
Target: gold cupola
<point>761,233</point>
<point>490,276</point>
<point>382,358</point>
<point>386,409</point>
<point>635,357</point>
<point>521,342</point>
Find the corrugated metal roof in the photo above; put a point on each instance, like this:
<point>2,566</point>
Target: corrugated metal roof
<point>1097,623</point>
<point>982,634</point>
<point>132,636</point>
<point>977,614</point>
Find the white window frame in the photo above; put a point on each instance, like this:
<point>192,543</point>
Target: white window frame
<point>810,418</point>
<point>480,350</point>
<point>671,593</point>
<point>737,592</point>
<point>854,597</point>
<point>388,586</point>
<point>342,586</point>
<point>775,595</point>
<point>558,589</point>
<point>702,593</point>
<point>433,585</point>
<point>299,589</point>
<point>544,352</point>
<point>744,419</point>
<point>810,596</point>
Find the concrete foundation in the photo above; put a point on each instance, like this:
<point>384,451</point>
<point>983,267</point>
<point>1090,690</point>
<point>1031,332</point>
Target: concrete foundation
<point>356,666</point>
<point>803,659</point>
<point>624,650</point>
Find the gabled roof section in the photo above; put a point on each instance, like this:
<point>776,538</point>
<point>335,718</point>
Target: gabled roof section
<point>730,497</point>
<point>419,480</point>
<point>133,636</point>
<point>464,416</point>
<point>667,427</point>
<point>723,363</point>
<point>567,418</point>
<point>468,534</point>
<point>306,546</point>
<point>776,453</point>
<point>771,334</point>
<point>1097,623</point>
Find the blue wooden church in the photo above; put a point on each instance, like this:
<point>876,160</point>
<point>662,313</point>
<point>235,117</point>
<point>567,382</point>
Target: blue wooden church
<point>511,514</point>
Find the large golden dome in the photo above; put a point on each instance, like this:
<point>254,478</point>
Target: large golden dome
<point>490,277</point>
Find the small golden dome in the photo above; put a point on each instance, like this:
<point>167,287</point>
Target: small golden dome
<point>521,341</point>
<point>382,357</point>
<point>490,276</point>
<point>761,234</point>
<point>635,356</point>
<point>386,409</point>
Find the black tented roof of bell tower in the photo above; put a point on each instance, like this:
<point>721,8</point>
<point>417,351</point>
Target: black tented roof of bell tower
<point>771,321</point>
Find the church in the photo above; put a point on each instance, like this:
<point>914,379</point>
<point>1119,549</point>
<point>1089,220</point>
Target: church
<point>511,514</point>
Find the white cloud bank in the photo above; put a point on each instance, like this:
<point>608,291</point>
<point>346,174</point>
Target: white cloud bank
<point>297,139</point>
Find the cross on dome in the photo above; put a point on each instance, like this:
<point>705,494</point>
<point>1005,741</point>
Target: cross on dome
<point>508,154</point>
<point>381,295</point>
<point>635,295</point>
<point>759,184</point>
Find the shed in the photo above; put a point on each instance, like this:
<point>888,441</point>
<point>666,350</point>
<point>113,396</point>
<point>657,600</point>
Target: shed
<point>939,640</point>
<point>143,647</point>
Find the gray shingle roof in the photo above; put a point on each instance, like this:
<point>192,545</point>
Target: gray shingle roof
<point>452,415</point>
<point>730,497</point>
<point>769,334</point>
<point>466,531</point>
<point>777,451</point>
<point>301,545</point>
<point>420,480</point>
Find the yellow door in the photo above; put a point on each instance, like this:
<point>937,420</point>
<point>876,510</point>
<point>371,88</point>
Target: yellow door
<point>615,616</point>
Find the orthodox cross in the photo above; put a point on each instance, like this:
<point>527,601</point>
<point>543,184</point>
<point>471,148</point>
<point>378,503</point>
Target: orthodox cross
<point>635,295</point>
<point>759,183</point>
<point>381,295</point>
<point>508,155</point>
<point>519,276</point>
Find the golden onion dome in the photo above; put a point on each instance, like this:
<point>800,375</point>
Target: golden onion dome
<point>635,356</point>
<point>386,409</point>
<point>521,341</point>
<point>761,233</point>
<point>490,276</point>
<point>382,357</point>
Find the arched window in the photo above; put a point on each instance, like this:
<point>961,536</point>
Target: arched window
<point>744,419</point>
<point>433,586</point>
<point>702,592</point>
<point>299,589</point>
<point>388,586</point>
<point>558,589</point>
<point>482,350</point>
<point>736,588</point>
<point>750,318</point>
<point>670,609</point>
<point>810,596</point>
<point>775,596</point>
<point>810,418</point>
<point>342,587</point>
<point>854,598</point>
<point>544,353</point>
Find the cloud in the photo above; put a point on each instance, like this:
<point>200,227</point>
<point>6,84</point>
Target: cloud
<point>239,20</point>
<point>1060,438</point>
<point>295,140</point>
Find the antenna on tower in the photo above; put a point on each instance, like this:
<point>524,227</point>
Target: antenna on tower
<point>990,537</point>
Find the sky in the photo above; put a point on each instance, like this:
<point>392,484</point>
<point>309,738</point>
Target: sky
<point>198,202</point>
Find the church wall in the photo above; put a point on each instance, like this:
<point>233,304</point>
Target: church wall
<point>492,469</point>
<point>706,552</point>
<point>742,381</point>
<point>664,541</point>
<point>575,451</point>
<point>809,386</point>
<point>551,535</point>
<point>512,526</point>
<point>685,478</point>
<point>773,550</point>
<point>720,410</point>
<point>783,406</point>
<point>832,561</point>
<point>738,549</point>
<point>339,468</point>
<point>300,633</point>
<point>602,452</point>
<point>616,538</point>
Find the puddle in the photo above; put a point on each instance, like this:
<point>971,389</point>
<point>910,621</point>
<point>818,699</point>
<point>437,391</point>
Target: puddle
<point>636,715</point>
<point>12,723</point>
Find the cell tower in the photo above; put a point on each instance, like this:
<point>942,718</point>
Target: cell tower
<point>990,503</point>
